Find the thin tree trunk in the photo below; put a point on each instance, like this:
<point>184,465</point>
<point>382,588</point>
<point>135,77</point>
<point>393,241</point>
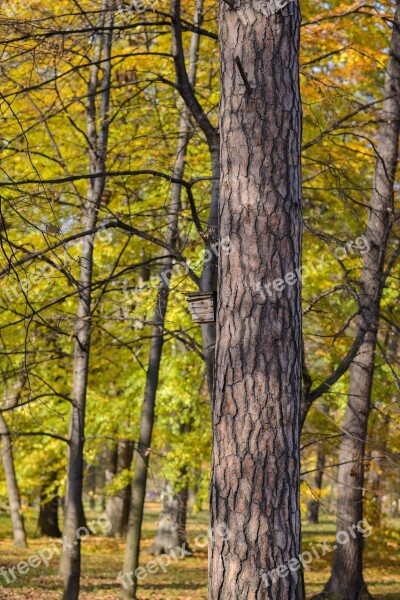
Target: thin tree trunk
<point>209,276</point>
<point>10,400</point>
<point>315,502</point>
<point>255,506</point>
<point>14,499</point>
<point>142,456</point>
<point>74,518</point>
<point>91,484</point>
<point>118,505</point>
<point>346,581</point>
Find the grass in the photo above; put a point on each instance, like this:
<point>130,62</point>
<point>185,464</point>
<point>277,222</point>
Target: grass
<point>183,579</point>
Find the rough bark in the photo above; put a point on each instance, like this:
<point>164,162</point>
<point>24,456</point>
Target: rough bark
<point>98,140</point>
<point>314,504</point>
<point>142,456</point>
<point>346,581</point>
<point>117,506</point>
<point>171,531</point>
<point>255,473</point>
<point>10,399</point>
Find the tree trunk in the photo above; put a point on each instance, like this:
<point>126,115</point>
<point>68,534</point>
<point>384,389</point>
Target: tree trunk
<point>14,499</point>
<point>117,507</point>
<point>91,486</point>
<point>171,530</point>
<point>110,457</point>
<point>314,504</point>
<point>346,581</point>
<point>48,515</point>
<point>209,276</point>
<point>70,566</point>
<point>373,508</point>
<point>142,455</point>
<point>255,506</point>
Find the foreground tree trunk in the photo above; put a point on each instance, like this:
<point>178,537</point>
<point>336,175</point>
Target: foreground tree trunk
<point>117,506</point>
<point>255,511</point>
<point>346,581</point>
<point>142,455</point>
<point>74,518</point>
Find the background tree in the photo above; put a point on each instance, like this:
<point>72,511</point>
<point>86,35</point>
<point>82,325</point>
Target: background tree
<point>347,572</point>
<point>10,399</point>
<point>97,134</point>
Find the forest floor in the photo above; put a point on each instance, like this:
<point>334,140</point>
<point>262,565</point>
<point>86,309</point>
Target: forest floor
<point>184,579</point>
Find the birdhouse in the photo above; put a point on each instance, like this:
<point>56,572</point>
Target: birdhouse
<point>203,307</point>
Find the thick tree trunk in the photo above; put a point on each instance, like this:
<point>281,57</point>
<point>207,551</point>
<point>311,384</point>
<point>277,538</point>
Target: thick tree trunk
<point>14,499</point>
<point>48,515</point>
<point>117,506</point>
<point>74,517</point>
<point>346,581</point>
<point>142,455</point>
<point>255,508</point>
<point>314,504</point>
<point>171,530</point>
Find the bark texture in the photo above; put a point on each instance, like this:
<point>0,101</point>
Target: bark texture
<point>97,133</point>
<point>346,581</point>
<point>255,477</point>
<point>142,456</point>
<point>10,399</point>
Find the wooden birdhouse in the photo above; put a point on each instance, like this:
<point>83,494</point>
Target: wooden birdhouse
<point>203,306</point>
